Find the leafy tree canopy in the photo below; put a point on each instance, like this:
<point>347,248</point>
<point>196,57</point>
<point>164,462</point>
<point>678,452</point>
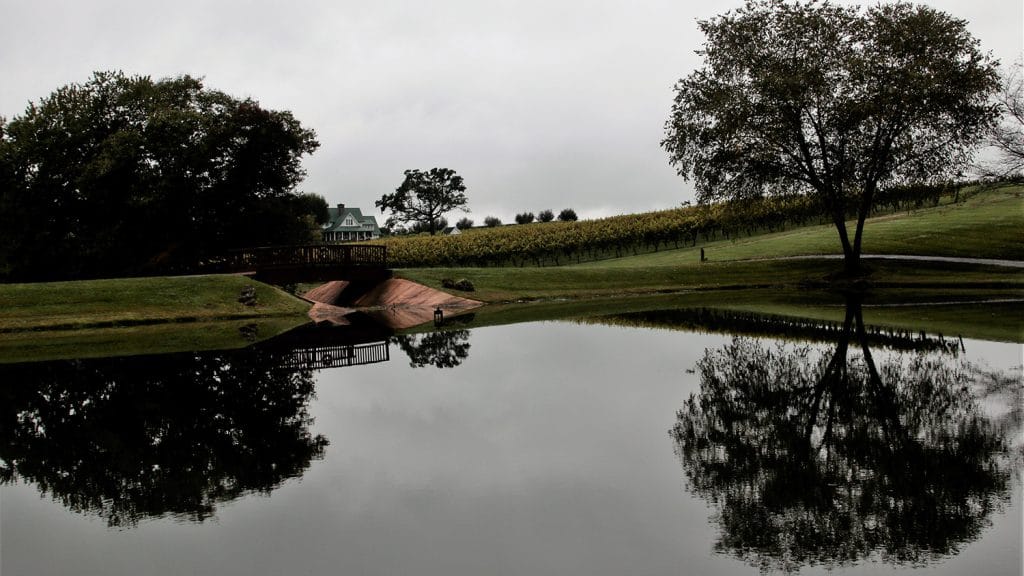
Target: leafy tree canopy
<point>424,197</point>
<point>124,174</point>
<point>567,215</point>
<point>831,101</point>
<point>524,218</point>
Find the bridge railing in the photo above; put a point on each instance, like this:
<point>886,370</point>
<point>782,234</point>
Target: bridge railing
<point>311,256</point>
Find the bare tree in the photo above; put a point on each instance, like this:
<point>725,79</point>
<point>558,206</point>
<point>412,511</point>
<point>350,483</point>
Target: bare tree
<point>1007,137</point>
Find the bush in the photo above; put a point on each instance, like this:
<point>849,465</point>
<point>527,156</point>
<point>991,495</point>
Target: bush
<point>464,224</point>
<point>492,221</point>
<point>567,215</point>
<point>420,227</point>
<point>524,218</point>
<point>462,284</point>
<point>546,216</point>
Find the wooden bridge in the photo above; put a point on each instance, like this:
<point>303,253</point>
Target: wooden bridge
<point>311,263</point>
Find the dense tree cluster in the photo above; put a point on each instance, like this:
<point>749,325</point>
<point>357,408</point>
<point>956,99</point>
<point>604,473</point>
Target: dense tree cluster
<point>127,175</point>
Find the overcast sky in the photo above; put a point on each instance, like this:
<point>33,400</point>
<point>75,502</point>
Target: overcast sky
<point>536,103</point>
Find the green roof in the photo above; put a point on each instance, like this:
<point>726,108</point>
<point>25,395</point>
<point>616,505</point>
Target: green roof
<point>338,216</point>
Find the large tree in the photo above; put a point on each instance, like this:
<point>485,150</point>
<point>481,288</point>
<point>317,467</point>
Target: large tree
<point>124,174</point>
<point>424,197</point>
<point>831,101</point>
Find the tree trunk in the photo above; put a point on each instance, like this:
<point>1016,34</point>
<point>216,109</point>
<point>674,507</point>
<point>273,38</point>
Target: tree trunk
<point>851,252</point>
<point>867,198</point>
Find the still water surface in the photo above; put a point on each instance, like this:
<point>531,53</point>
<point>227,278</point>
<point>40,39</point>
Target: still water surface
<point>611,447</point>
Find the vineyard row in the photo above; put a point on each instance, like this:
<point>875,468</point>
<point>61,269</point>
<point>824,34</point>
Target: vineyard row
<point>558,243</point>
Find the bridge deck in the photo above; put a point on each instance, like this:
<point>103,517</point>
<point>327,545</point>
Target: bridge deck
<point>315,255</point>
<point>316,262</point>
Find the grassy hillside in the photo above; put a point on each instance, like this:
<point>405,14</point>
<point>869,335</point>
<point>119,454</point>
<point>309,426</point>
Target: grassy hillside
<point>987,225</point>
<point>998,212</point>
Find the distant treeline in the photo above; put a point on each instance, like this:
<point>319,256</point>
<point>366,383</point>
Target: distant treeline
<point>560,243</point>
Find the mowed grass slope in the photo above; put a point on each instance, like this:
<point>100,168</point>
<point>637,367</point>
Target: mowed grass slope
<point>137,301</point>
<point>988,225</point>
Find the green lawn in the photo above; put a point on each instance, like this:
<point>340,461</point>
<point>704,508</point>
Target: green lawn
<point>137,301</point>
<point>160,338</point>
<point>129,316</point>
<point>512,284</point>
<point>987,225</point>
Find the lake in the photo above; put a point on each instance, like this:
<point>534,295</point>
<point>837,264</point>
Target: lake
<point>657,442</point>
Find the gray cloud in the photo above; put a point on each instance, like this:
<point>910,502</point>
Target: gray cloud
<point>537,104</point>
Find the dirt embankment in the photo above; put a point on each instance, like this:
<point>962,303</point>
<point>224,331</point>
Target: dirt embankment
<point>399,303</point>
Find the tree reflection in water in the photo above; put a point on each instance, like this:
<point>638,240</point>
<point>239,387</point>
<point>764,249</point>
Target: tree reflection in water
<point>145,437</point>
<point>810,458</point>
<point>441,349</point>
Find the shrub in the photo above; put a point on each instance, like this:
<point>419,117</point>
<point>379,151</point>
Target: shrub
<point>545,216</point>
<point>462,284</point>
<point>420,227</point>
<point>567,215</point>
<point>524,218</point>
<point>492,221</point>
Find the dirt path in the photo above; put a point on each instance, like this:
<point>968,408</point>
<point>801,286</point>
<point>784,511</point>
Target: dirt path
<point>950,259</point>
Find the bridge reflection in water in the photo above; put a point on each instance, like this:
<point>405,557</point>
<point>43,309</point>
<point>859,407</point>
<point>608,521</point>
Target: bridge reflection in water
<point>315,347</point>
<point>336,356</point>
<point>176,435</point>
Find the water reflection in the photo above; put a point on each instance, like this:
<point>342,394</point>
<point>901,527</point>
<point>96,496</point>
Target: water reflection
<point>814,457</point>
<point>443,349</point>
<point>141,437</point>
